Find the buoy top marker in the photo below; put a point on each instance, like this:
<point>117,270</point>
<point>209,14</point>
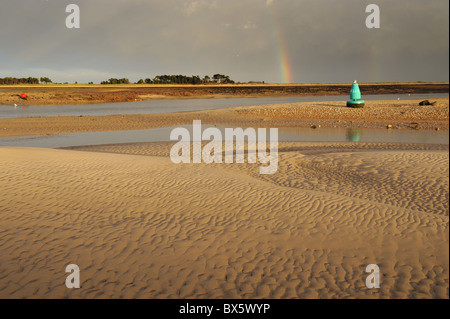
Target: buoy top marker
<point>355,97</point>
<point>355,93</point>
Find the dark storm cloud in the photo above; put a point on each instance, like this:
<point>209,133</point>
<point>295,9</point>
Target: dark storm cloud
<point>327,40</point>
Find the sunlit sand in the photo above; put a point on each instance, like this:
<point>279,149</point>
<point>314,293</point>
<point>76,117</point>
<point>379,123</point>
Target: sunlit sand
<point>140,226</point>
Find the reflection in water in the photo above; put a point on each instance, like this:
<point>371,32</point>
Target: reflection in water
<point>353,135</point>
<point>285,134</point>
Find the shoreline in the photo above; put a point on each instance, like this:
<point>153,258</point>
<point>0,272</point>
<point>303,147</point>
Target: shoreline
<point>96,94</point>
<point>376,114</point>
<point>163,149</point>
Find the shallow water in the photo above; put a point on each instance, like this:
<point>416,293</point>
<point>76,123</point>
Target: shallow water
<point>285,134</point>
<point>172,106</point>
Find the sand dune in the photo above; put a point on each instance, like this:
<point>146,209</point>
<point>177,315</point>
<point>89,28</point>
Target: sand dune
<point>142,227</point>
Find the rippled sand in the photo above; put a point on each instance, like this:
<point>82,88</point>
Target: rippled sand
<point>142,227</point>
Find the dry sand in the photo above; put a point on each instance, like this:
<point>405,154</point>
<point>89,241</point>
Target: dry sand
<point>142,227</point>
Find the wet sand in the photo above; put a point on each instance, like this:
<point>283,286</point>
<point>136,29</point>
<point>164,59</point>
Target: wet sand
<point>140,226</point>
<point>91,94</point>
<point>376,114</point>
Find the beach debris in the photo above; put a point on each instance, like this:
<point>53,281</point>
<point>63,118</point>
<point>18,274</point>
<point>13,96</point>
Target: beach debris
<point>355,97</point>
<point>313,127</point>
<point>438,129</point>
<point>427,103</point>
<point>23,96</point>
<point>389,126</point>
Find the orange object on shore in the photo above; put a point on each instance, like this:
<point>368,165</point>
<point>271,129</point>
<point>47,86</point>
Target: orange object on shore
<point>23,96</point>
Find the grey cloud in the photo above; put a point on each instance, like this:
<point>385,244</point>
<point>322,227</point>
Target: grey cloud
<point>327,40</point>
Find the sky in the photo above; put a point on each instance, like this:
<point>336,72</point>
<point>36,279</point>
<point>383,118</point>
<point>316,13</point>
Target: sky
<point>276,41</point>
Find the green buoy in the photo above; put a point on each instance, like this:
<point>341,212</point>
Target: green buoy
<point>355,97</point>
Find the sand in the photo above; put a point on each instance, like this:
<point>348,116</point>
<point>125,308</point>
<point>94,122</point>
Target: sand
<point>406,114</point>
<point>54,94</point>
<point>140,226</point>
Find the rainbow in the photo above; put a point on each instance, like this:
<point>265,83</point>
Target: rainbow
<point>283,52</point>
<point>374,64</point>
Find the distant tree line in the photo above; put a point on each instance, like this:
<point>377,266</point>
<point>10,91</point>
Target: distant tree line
<point>29,80</point>
<point>177,79</point>
<point>159,79</point>
<point>45,80</point>
<point>116,81</point>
